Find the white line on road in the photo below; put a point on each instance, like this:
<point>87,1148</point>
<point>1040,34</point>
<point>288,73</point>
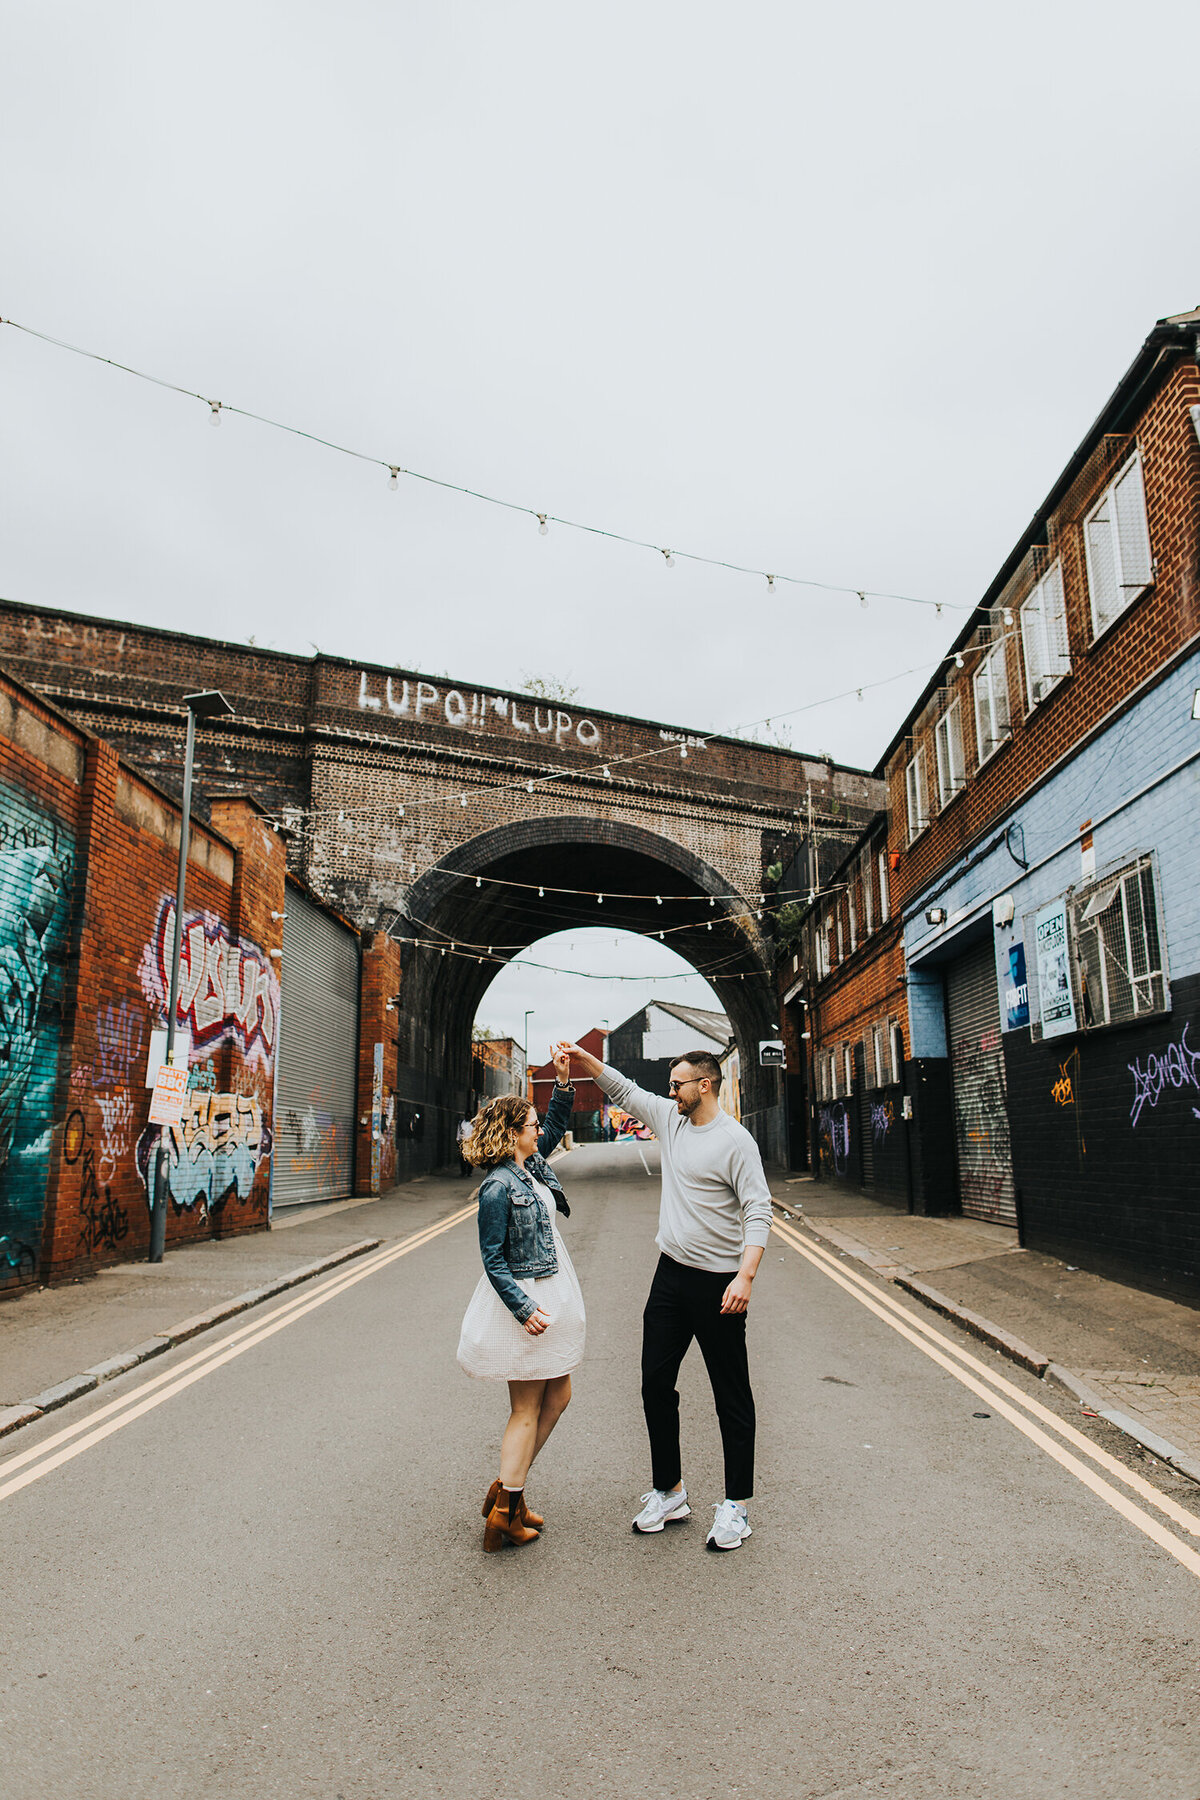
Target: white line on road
<point>645,1164</point>
<point>919,1333</point>
<point>53,1451</point>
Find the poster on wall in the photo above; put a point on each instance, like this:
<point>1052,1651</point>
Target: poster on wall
<point>1057,1002</point>
<point>1016,990</point>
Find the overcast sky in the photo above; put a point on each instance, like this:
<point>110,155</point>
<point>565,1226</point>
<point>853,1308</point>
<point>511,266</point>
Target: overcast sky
<point>832,291</point>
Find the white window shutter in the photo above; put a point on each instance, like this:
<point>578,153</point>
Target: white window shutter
<point>1133,538</point>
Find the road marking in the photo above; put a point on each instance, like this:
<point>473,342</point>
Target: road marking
<point>993,1388</point>
<point>58,1449</point>
<point>1178,1514</point>
<point>645,1164</point>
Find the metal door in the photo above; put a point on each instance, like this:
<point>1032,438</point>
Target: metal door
<point>985,1176</point>
<point>865,1136</point>
<point>318,1057</point>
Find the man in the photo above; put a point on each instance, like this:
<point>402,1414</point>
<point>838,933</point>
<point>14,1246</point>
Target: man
<point>465,1129</point>
<point>713,1223</point>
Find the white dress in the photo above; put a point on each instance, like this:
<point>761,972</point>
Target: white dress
<point>493,1346</point>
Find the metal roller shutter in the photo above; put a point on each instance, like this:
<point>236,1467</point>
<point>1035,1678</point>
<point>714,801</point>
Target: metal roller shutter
<point>318,1057</point>
<point>981,1132</point>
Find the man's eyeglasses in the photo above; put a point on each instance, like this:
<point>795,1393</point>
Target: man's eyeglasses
<point>673,1087</point>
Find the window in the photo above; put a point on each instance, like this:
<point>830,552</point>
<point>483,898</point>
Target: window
<point>880,1057</point>
<point>848,1068</point>
<point>991,701</point>
<point>1044,636</point>
<point>1119,563</point>
<point>1122,972</point>
<point>837,913</point>
<point>884,906</point>
<point>823,947</point>
<point>896,1039</point>
<point>852,912</point>
<point>918,808</point>
<point>948,744</point>
<point>868,894</point>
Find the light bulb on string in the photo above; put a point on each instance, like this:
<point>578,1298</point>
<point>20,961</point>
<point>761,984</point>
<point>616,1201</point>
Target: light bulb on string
<point>1007,615</point>
<point>683,751</point>
<point>607,773</point>
<point>658,899</point>
<point>394,477</point>
<point>400,811</point>
<point>770,584</point>
<point>462,799</point>
<point>668,559</point>
<point>529,787</point>
<point>599,899</point>
<point>862,600</point>
<point>543,528</point>
<point>216,412</point>
<point>958,661</point>
<point>938,609</point>
<point>859,692</point>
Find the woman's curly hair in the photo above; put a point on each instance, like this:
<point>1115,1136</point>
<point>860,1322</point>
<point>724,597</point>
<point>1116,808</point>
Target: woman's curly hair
<point>493,1129</point>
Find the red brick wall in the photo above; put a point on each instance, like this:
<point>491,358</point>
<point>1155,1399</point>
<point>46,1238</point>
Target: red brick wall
<point>76,1146</point>
<point>375,1162</point>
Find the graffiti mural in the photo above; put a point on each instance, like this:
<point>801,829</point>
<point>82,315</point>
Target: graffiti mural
<point>102,1222</point>
<point>36,880</point>
<point>215,1151</point>
<point>227,990</point>
<point>120,1040</point>
<point>833,1128</point>
<point>883,1117</point>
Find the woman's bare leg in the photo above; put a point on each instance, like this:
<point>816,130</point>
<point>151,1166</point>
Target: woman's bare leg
<point>555,1401</point>
<point>519,1445</point>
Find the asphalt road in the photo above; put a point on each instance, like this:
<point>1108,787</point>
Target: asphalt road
<point>269,1582</point>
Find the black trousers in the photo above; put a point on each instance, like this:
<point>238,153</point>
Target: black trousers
<point>685,1304</point>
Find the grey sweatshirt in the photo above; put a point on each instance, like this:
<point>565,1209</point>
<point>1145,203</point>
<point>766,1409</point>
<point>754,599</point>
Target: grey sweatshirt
<point>715,1198</point>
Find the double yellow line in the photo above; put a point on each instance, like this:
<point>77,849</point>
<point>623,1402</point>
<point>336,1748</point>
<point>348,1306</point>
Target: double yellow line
<point>28,1466</point>
<point>1021,1410</point>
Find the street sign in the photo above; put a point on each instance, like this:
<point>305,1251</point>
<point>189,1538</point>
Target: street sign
<point>170,1095</point>
<point>771,1053</point>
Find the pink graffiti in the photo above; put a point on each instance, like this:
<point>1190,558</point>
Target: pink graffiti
<point>227,989</point>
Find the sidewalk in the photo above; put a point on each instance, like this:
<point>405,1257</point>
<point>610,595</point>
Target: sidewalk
<point>1130,1356</point>
<point>61,1341</point>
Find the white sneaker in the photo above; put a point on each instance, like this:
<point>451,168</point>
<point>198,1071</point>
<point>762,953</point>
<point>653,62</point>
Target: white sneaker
<point>730,1526</point>
<point>659,1509</point>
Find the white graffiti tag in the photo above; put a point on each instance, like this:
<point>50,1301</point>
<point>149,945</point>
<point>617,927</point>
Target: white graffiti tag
<point>1177,1067</point>
<point>419,700</point>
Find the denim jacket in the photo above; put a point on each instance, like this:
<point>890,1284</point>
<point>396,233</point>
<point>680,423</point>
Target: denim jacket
<point>514,1235</point>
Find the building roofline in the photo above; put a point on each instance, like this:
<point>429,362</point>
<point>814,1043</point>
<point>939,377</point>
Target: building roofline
<point>1146,372</point>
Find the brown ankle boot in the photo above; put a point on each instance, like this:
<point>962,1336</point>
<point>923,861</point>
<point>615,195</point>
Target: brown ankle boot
<point>504,1523</point>
<point>534,1520</point>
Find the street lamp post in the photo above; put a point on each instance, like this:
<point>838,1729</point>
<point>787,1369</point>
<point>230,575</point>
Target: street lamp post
<point>209,705</point>
<point>529,1012</point>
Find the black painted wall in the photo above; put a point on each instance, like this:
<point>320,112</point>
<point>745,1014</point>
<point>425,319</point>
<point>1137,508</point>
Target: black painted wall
<point>1106,1146</point>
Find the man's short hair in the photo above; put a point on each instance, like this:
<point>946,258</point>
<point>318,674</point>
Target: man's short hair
<point>704,1063</point>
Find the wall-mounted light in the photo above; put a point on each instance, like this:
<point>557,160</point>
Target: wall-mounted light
<point>935,915</point>
<point>1003,909</point>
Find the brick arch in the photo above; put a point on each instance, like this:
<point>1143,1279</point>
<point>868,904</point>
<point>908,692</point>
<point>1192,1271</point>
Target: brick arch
<point>441,994</point>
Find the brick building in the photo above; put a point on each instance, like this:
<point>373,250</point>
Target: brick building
<point>589,1117</point>
<point>1043,865</point>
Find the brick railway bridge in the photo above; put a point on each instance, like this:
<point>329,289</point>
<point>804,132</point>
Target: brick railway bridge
<point>411,803</point>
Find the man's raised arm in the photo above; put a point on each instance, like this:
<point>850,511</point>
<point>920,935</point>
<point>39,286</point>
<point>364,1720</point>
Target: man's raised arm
<point>655,1110</point>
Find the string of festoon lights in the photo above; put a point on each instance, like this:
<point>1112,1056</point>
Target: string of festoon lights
<point>544,520</point>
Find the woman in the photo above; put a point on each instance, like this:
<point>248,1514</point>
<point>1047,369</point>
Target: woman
<point>525,1321</point>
